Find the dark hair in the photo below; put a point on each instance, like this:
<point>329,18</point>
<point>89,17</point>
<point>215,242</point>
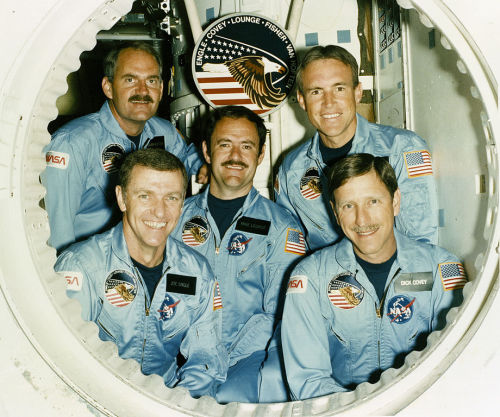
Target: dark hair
<point>328,52</point>
<point>360,164</point>
<point>235,112</point>
<point>111,58</point>
<point>154,158</point>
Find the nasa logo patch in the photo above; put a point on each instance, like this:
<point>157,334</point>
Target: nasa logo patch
<point>111,157</point>
<point>344,291</point>
<point>400,309</point>
<point>245,59</point>
<point>120,288</point>
<point>57,159</point>
<point>74,280</point>
<point>238,244</point>
<point>195,231</point>
<point>168,307</point>
<point>310,184</point>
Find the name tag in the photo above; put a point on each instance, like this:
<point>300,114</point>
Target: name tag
<point>181,284</point>
<point>418,281</point>
<point>251,225</point>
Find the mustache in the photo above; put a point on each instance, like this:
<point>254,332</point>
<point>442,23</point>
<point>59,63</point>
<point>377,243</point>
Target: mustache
<point>364,229</point>
<point>233,162</point>
<point>138,97</point>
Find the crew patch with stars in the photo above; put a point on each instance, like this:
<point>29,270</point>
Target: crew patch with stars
<point>120,288</point>
<point>238,244</point>
<point>400,309</point>
<point>310,184</point>
<point>111,157</point>
<point>168,307</point>
<point>344,291</point>
<point>195,231</point>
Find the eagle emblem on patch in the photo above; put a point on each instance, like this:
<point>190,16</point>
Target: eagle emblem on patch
<point>310,184</point>
<point>120,288</point>
<point>195,231</point>
<point>111,157</point>
<point>345,292</point>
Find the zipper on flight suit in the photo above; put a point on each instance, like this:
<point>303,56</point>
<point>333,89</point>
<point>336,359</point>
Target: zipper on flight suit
<point>217,248</point>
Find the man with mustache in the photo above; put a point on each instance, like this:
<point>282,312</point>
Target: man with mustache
<point>328,90</point>
<point>251,244</point>
<point>148,293</point>
<point>84,155</point>
<point>356,308</point>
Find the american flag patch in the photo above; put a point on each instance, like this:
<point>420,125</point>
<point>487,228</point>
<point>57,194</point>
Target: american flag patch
<point>295,242</point>
<point>217,297</point>
<point>452,275</point>
<point>418,163</point>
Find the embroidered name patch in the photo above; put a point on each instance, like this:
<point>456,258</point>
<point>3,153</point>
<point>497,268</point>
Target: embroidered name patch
<point>400,309</point>
<point>345,292</point>
<point>195,231</point>
<point>217,299</point>
<point>168,307</point>
<point>74,280</point>
<point>418,163</point>
<point>297,284</point>
<point>111,157</point>
<point>181,284</point>
<point>57,159</point>
<point>251,225</point>
<point>295,242</point>
<point>417,281</point>
<point>452,275</point>
<point>120,288</point>
<point>158,142</point>
<point>310,184</point>
<point>238,244</point>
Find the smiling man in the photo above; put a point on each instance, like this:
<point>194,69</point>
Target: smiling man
<point>251,244</point>
<point>84,155</point>
<point>148,293</point>
<point>355,309</point>
<point>328,90</point>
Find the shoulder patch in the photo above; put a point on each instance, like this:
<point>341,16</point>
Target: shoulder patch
<point>418,163</point>
<point>74,280</point>
<point>57,159</point>
<point>452,275</point>
<point>297,284</point>
<point>217,298</point>
<point>295,242</point>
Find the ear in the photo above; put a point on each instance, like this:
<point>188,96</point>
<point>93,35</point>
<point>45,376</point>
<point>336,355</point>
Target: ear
<point>334,212</point>
<point>300,99</point>
<point>205,151</point>
<point>262,153</point>
<point>120,198</point>
<point>358,93</point>
<point>107,88</point>
<point>396,202</point>
<point>161,90</point>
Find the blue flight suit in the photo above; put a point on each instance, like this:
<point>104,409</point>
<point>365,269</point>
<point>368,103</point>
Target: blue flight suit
<point>181,316</point>
<point>251,262</point>
<point>335,331</point>
<point>82,161</point>
<point>301,184</point>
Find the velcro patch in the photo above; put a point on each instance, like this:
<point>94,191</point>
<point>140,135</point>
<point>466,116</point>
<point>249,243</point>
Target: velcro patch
<point>181,284</point>
<point>74,280</point>
<point>57,159</point>
<point>297,284</point>
<point>417,281</point>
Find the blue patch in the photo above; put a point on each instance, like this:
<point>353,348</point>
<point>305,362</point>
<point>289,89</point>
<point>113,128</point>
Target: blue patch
<point>238,244</point>
<point>168,307</point>
<point>400,309</point>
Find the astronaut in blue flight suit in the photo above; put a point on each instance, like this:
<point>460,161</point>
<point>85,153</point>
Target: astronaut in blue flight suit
<point>328,90</point>
<point>250,243</point>
<point>149,293</point>
<point>356,308</point>
<point>84,155</point>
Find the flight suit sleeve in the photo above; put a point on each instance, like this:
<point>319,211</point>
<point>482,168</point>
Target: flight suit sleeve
<point>206,358</point>
<point>305,340</point>
<point>64,179</point>
<point>79,284</point>
<point>284,251</point>
<point>418,217</point>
